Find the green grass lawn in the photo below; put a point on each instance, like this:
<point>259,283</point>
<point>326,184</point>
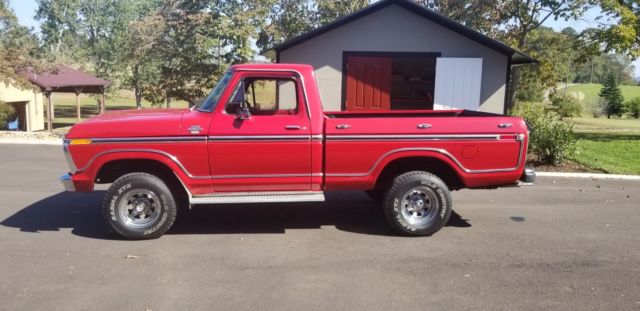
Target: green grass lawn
<point>610,145</point>
<point>591,90</point>
<point>587,124</point>
<point>612,152</point>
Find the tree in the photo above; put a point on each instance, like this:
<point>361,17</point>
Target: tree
<point>482,15</point>
<point>19,48</point>
<point>598,67</point>
<point>555,65</point>
<point>331,10</point>
<point>287,19</point>
<point>59,26</point>
<point>142,36</point>
<point>613,96</point>
<point>90,33</point>
<point>622,35</point>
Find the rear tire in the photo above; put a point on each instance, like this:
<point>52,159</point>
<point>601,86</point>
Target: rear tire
<point>417,203</point>
<point>139,206</point>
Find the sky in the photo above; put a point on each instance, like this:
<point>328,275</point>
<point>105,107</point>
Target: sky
<point>26,9</point>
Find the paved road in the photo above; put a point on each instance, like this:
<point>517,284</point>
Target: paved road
<point>562,244</point>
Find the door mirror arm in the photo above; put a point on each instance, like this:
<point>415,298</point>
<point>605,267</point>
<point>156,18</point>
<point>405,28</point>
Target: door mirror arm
<point>243,113</point>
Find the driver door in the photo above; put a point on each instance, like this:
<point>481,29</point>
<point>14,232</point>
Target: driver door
<point>260,137</point>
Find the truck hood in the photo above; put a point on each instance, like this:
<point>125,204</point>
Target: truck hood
<point>130,123</point>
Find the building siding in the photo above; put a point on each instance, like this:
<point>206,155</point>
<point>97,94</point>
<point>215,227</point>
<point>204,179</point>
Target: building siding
<point>395,29</point>
<point>34,100</point>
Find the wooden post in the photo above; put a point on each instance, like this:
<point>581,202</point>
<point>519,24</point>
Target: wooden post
<point>53,104</point>
<point>102,102</point>
<point>78,113</point>
<point>49,112</point>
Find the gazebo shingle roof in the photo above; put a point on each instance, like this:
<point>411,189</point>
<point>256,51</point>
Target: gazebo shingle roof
<point>65,79</point>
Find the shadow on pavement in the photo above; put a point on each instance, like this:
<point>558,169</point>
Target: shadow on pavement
<point>347,211</point>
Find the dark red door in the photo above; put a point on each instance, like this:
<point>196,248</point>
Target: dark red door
<point>368,83</point>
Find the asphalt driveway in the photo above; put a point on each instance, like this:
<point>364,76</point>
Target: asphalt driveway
<point>567,244</point>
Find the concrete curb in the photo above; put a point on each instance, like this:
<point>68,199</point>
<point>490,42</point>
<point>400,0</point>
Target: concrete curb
<point>587,175</point>
<point>31,141</point>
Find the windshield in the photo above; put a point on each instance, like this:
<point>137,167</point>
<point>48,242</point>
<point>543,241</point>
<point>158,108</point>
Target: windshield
<point>210,102</point>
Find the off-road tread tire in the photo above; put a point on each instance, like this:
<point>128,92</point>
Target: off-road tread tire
<point>140,180</point>
<point>401,184</point>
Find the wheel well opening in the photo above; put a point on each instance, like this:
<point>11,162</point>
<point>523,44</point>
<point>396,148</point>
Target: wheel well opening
<point>113,170</point>
<point>431,165</point>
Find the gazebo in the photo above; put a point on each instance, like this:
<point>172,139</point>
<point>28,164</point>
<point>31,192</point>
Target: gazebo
<point>64,79</point>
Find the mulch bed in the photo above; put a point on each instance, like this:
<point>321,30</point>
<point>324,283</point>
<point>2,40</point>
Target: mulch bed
<point>567,166</point>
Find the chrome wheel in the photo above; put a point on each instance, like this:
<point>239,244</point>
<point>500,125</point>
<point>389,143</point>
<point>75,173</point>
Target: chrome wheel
<point>419,206</point>
<point>139,208</point>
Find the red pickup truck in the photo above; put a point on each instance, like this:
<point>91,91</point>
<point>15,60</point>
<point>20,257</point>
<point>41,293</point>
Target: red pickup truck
<point>262,136</point>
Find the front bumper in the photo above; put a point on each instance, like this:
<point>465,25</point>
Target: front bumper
<point>67,182</point>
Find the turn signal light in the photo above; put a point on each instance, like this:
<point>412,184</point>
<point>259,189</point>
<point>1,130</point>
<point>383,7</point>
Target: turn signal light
<point>80,141</point>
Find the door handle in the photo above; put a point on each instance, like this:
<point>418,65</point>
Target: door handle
<point>343,126</point>
<point>293,127</point>
<point>424,126</point>
<point>505,125</point>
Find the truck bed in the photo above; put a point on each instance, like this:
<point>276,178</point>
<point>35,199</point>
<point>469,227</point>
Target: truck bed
<point>481,148</point>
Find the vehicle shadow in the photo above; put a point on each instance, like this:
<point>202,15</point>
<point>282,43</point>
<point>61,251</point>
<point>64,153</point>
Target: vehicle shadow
<point>347,211</point>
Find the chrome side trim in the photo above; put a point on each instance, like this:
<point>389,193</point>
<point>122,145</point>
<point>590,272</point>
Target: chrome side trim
<point>438,150</point>
<point>416,137</point>
<point>302,84</point>
<point>259,197</point>
<point>186,172</point>
<point>317,137</point>
<point>261,137</point>
<point>166,139</point>
<point>264,176</point>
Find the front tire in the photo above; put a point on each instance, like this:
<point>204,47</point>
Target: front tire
<point>139,206</point>
<point>417,203</point>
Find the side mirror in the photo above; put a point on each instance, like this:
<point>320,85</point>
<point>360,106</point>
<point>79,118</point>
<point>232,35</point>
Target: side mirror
<point>243,113</point>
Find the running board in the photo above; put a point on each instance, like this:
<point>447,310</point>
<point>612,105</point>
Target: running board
<point>258,197</point>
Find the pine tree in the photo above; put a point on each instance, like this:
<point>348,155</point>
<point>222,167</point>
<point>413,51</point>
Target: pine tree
<point>613,95</point>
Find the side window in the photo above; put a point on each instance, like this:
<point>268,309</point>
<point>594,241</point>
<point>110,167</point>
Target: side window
<point>265,96</point>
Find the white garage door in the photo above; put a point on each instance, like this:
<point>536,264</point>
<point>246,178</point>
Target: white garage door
<point>458,83</point>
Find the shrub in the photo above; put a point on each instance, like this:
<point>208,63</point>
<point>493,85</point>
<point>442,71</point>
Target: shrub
<point>552,141</point>
<point>565,106</point>
<point>597,107</point>
<point>7,113</point>
<point>633,107</point>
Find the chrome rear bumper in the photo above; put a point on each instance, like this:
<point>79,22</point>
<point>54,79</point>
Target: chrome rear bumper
<point>528,176</point>
<point>67,182</point>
